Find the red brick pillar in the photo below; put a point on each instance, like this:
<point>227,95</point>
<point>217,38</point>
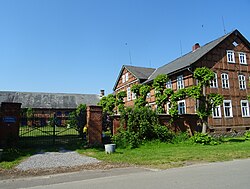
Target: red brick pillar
<point>9,123</point>
<point>116,123</point>
<point>94,124</point>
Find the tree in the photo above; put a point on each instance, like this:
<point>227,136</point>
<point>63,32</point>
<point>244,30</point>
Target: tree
<point>162,94</point>
<point>141,92</point>
<point>206,102</point>
<point>108,104</point>
<point>30,116</point>
<point>120,100</point>
<point>78,118</point>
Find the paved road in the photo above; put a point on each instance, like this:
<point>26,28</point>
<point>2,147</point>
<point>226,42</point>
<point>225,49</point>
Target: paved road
<point>226,175</point>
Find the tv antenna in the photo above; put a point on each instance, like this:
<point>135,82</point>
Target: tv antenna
<point>224,28</point>
<point>181,47</point>
<point>129,53</point>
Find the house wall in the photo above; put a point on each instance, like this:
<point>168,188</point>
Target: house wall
<point>217,61</point>
<point>123,86</point>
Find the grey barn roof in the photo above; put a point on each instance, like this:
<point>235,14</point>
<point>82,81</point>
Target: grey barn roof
<point>190,58</point>
<point>49,100</point>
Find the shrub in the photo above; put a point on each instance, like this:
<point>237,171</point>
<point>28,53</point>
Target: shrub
<point>247,135</point>
<point>141,125</point>
<point>180,137</point>
<point>162,133</point>
<point>205,139</point>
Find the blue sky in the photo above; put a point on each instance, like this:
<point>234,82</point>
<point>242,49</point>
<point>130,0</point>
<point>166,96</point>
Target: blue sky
<point>79,46</point>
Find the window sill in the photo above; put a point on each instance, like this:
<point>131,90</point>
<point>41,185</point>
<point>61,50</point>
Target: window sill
<point>231,62</point>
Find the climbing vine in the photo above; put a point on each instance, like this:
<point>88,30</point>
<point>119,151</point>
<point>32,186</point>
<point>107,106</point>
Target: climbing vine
<point>141,92</point>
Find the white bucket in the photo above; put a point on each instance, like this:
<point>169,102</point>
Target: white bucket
<point>109,148</point>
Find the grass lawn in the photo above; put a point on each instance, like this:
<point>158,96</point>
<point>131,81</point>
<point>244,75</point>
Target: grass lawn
<point>152,154</point>
<point>162,155</point>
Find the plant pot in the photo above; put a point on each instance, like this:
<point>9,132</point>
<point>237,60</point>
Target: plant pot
<point>109,148</point>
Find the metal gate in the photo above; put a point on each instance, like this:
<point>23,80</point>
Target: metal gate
<point>40,132</point>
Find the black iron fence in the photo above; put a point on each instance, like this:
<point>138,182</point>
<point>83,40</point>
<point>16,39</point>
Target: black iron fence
<point>47,131</point>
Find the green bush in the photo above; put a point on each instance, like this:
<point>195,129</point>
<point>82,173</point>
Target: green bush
<point>180,137</point>
<point>141,125</point>
<point>205,139</point>
<point>247,135</point>
<point>162,133</point>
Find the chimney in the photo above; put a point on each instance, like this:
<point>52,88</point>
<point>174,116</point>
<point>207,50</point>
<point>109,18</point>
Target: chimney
<point>195,47</point>
<point>102,93</point>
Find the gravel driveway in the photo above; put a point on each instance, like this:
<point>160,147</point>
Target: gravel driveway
<point>48,160</point>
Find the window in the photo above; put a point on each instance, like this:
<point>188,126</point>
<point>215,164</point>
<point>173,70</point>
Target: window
<point>216,112</point>
<point>225,80</point>
<point>180,83</point>
<point>169,85</point>
<point>168,107</point>
<point>126,77</point>
<point>228,112</point>
<point>181,107</point>
<point>123,78</point>
<point>245,108</point>
<point>148,95</point>
<point>242,82</point>
<point>230,57</point>
<point>242,58</point>
<point>214,82</point>
<point>133,95</point>
<point>128,94</point>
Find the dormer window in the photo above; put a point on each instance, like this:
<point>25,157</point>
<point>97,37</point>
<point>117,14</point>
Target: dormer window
<point>230,57</point>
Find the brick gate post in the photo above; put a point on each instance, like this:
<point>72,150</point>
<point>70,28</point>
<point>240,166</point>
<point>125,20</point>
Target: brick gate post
<point>94,124</point>
<point>9,123</point>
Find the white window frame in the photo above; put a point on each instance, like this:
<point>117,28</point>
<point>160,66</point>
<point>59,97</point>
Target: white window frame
<point>126,76</point>
<point>226,107</point>
<point>180,82</point>
<point>245,109</point>
<point>242,81</point>
<point>168,107</point>
<point>214,82</point>
<point>123,78</point>
<point>242,58</point>
<point>216,112</point>
<point>225,81</point>
<point>169,84</point>
<point>182,109</point>
<point>148,95</point>
<point>230,56</point>
<point>133,95</point>
<point>128,94</point>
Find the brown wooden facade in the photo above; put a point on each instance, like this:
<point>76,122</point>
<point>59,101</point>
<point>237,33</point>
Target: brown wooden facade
<point>217,60</point>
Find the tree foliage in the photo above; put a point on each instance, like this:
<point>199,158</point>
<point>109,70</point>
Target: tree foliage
<point>141,92</point>
<point>162,94</point>
<point>113,103</point>
<point>141,125</point>
<point>78,118</point>
<point>206,102</point>
<point>108,104</point>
